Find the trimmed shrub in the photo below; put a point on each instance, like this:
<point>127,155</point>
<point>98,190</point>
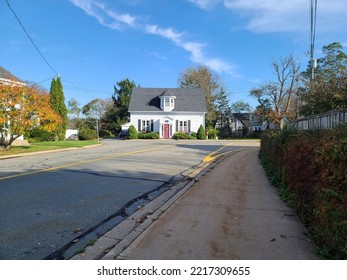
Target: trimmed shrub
<point>310,167</point>
<point>87,134</point>
<point>212,133</point>
<point>39,135</point>
<point>148,135</point>
<point>103,133</point>
<point>181,135</point>
<point>201,133</point>
<point>133,134</point>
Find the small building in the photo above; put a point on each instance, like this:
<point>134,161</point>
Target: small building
<point>249,121</point>
<point>167,110</point>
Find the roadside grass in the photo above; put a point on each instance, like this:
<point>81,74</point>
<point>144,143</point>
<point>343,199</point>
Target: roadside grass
<point>46,146</point>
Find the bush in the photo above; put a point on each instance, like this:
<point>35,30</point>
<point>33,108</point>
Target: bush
<point>87,134</point>
<point>225,132</point>
<point>311,167</point>
<point>39,135</point>
<point>148,135</point>
<point>103,133</point>
<point>181,135</point>
<point>201,134</point>
<point>212,133</point>
<point>132,132</point>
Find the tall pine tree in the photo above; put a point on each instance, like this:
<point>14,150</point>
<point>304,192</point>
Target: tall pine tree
<point>57,101</point>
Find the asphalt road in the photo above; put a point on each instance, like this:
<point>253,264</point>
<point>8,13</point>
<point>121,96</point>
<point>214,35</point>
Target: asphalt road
<point>53,204</point>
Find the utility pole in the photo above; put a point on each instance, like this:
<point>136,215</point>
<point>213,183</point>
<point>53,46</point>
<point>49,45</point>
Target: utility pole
<point>313,9</point>
<point>97,128</point>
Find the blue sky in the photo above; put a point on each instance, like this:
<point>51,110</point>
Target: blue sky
<point>96,43</point>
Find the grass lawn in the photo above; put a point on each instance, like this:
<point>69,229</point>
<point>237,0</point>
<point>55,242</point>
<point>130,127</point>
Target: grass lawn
<point>45,146</point>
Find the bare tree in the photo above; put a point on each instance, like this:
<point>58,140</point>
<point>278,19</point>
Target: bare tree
<point>281,92</point>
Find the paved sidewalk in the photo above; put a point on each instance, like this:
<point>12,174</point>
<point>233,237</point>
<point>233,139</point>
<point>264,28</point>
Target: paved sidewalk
<point>231,213</point>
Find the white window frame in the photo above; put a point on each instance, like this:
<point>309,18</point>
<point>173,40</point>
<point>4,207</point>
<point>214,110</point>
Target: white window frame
<point>183,126</point>
<point>167,103</point>
<point>146,125</point>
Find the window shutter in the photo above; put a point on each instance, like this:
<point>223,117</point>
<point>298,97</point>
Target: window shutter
<point>189,125</point>
<point>139,125</point>
<point>152,125</point>
<point>176,125</point>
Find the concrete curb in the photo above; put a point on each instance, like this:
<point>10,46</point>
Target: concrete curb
<point>115,241</point>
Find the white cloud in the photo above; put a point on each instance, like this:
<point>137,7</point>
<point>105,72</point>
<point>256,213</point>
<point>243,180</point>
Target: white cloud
<point>104,15</point>
<point>196,50</point>
<point>113,20</point>
<point>289,15</point>
<point>284,16</point>
<point>204,4</point>
<point>167,33</point>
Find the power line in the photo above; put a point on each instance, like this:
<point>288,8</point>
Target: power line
<point>31,40</point>
<point>77,87</point>
<point>50,78</point>
<point>40,53</point>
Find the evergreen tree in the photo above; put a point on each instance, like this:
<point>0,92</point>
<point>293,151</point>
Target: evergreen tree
<point>328,90</point>
<point>201,134</point>
<point>133,134</point>
<point>57,101</point>
<point>224,114</point>
<point>117,115</point>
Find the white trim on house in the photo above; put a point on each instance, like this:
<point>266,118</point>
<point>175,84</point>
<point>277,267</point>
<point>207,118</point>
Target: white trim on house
<point>167,110</point>
<point>157,120</point>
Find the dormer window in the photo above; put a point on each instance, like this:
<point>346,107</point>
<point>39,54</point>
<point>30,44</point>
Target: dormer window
<point>167,103</point>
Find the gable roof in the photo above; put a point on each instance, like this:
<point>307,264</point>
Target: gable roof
<point>5,74</point>
<point>7,78</point>
<point>148,99</point>
<point>248,118</point>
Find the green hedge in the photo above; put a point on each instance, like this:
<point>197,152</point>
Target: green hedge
<point>39,135</point>
<point>184,135</point>
<point>148,135</point>
<point>87,134</point>
<point>310,167</point>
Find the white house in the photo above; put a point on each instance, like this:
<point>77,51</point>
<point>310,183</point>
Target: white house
<point>167,110</point>
<point>8,79</point>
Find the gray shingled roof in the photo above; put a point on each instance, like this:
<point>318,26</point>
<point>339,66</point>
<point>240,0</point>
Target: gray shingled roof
<point>187,99</point>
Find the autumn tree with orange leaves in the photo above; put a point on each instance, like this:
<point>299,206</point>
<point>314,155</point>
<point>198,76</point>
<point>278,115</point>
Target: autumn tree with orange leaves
<point>23,108</point>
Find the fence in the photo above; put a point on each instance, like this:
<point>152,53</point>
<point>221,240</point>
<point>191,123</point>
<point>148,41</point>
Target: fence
<point>327,120</point>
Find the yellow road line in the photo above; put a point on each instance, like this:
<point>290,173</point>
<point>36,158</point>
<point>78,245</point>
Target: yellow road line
<point>212,156</point>
<point>79,163</point>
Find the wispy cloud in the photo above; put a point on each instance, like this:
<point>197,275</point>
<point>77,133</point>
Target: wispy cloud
<point>196,50</point>
<point>290,15</point>
<point>284,16</point>
<point>113,20</point>
<point>204,4</point>
<point>167,33</point>
<point>272,15</point>
<point>105,16</point>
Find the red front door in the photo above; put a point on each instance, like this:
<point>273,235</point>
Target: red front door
<point>166,131</point>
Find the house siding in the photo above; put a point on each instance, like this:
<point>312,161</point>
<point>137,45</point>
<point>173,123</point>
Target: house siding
<point>158,119</point>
